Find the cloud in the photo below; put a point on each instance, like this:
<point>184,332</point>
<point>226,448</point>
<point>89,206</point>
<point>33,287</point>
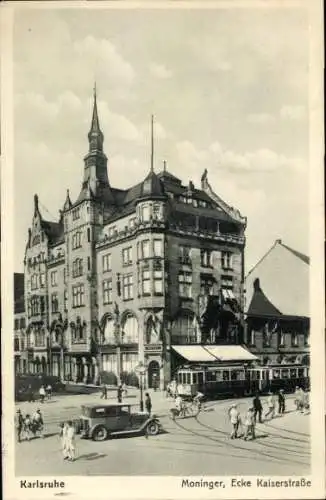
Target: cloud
<point>261,118</point>
<point>259,161</point>
<point>293,113</point>
<point>104,56</point>
<point>160,71</point>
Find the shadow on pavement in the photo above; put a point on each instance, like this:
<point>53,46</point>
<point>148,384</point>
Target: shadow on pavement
<point>91,456</point>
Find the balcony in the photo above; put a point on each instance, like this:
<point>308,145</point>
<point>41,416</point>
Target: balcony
<point>131,231</point>
<point>208,235</point>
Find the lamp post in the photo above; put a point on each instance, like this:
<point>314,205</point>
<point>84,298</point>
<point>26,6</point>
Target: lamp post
<point>141,370</point>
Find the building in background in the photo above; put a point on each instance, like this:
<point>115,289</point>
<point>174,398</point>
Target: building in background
<point>277,312</point>
<point>20,348</point>
<point>124,275</point>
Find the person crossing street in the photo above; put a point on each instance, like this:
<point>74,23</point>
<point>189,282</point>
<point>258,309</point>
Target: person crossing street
<point>19,424</point>
<point>258,408</point>
<point>281,402</point>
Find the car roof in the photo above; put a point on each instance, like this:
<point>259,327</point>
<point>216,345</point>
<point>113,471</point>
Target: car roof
<point>89,405</point>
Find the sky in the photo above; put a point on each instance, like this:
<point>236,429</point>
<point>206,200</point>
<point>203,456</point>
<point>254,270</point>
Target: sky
<point>228,89</point>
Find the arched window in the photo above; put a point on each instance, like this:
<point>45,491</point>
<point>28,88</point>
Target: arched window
<point>130,330</point>
<point>151,333</point>
<point>109,337</point>
<point>184,329</point>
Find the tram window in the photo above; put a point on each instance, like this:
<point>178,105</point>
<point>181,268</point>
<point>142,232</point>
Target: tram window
<point>211,376</point>
<point>194,378</point>
<point>276,373</point>
<point>200,378</point>
<point>300,372</point>
<point>180,378</point>
<point>235,375</point>
<point>218,376</point>
<point>285,373</point>
<point>293,373</point>
<point>188,378</point>
<point>225,375</point>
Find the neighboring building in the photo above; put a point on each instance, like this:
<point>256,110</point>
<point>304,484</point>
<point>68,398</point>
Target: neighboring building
<point>20,349</point>
<point>126,274</point>
<point>277,314</point>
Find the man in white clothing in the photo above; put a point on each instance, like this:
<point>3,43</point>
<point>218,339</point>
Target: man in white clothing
<point>234,416</point>
<point>70,442</point>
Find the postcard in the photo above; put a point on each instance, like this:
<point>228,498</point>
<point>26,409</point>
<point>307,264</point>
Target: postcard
<point>162,250</point>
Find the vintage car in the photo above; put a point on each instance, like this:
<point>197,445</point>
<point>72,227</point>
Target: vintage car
<point>100,422</point>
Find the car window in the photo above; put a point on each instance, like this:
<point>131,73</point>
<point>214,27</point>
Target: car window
<point>123,410</point>
<point>111,411</point>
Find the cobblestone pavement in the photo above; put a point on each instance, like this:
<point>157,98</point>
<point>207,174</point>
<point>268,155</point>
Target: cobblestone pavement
<point>189,446</point>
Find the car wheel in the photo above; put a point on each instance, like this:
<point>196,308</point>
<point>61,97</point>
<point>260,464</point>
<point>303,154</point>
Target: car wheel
<point>100,433</point>
<point>153,429</point>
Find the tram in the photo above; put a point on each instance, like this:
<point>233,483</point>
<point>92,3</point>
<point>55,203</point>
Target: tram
<point>238,380</point>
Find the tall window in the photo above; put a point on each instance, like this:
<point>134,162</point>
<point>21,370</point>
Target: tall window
<point>294,339</point>
<point>127,256</point>
<point>88,234</point>
<point>206,258</point>
<point>42,280</point>
<point>158,282</point>
<point>127,287</point>
<point>157,214</point>
<point>130,330</point>
<point>64,275</point>
<point>207,285</point>
<point>227,282</point>
<point>77,268</point>
<point>184,330</point>
<point>107,292</point>
<point>144,249</point>
<point>65,300</point>
<point>54,278</point>
<point>34,281</point>
<point>106,262</point>
<point>185,285</point>
<point>78,296</point>
<point>35,306</point>
<point>76,214</point>
<point>252,337</point>
<point>76,240</point>
<point>226,260</point>
<point>22,323</point>
<point>146,283</point>
<point>145,213</point>
<point>184,253</point>
<point>158,248</point>
<point>54,303</point>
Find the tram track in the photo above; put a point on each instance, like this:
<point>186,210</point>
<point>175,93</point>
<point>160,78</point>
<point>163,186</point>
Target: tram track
<point>251,451</point>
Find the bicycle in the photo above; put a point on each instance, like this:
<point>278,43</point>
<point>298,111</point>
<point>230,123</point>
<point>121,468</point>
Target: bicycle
<point>188,409</point>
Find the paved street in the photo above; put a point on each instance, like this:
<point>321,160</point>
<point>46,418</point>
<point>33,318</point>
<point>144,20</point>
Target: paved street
<point>188,447</point>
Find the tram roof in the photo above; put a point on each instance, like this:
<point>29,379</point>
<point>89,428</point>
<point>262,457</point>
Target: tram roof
<point>215,353</point>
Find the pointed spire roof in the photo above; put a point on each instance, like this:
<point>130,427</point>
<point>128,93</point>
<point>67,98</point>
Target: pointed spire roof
<point>67,204</point>
<point>152,186</point>
<point>95,135</point>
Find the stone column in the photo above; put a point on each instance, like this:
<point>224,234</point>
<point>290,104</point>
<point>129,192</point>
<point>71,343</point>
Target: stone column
<point>74,369</point>
<point>84,370</point>
<point>96,370</point>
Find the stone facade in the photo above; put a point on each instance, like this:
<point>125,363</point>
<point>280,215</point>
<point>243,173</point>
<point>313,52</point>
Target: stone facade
<point>118,279</point>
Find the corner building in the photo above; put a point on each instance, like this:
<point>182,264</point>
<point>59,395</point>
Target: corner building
<point>126,274</point>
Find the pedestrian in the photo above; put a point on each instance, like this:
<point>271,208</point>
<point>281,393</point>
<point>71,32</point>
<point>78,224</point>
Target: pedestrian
<point>119,393</point>
<point>306,403</point>
<point>70,441</point>
<point>28,427</point>
<point>19,424</point>
<point>258,408</point>
<point>270,405</point>
<point>38,423</point>
<point>234,416</point>
<point>281,402</point>
<point>250,424</point>
<point>49,391</point>
<point>42,393</point>
<point>104,394</point>
<point>63,437</point>
<point>298,399</point>
<point>124,389</point>
<point>148,403</point>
